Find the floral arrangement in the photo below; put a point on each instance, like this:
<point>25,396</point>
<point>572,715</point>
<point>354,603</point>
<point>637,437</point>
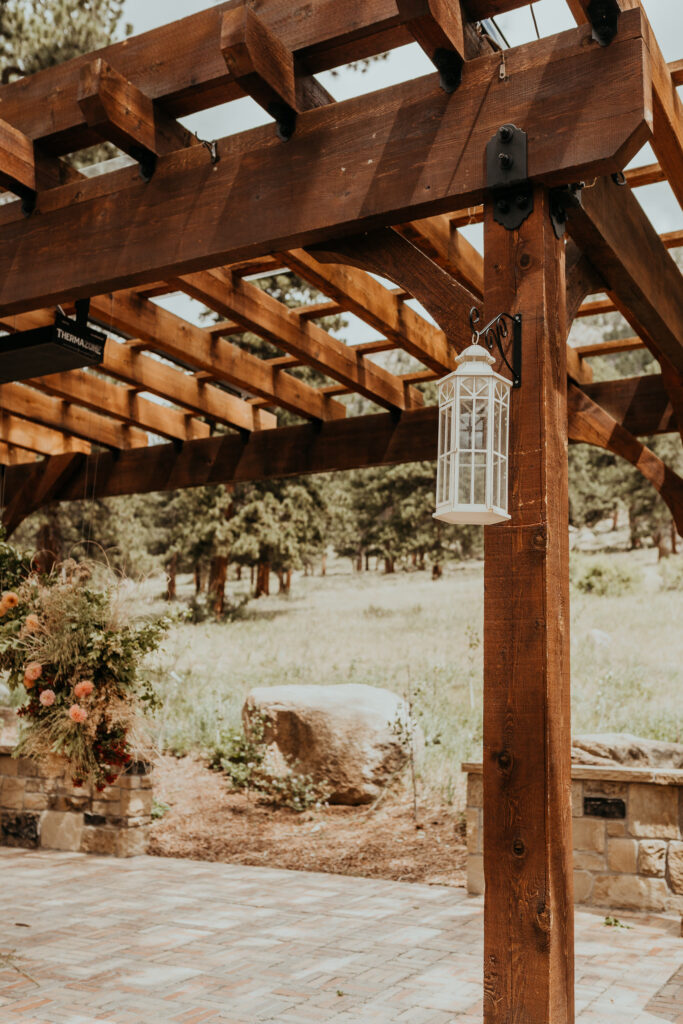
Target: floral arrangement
<point>71,649</point>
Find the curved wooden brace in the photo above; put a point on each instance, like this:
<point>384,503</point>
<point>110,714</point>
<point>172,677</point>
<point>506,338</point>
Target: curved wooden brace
<point>390,255</point>
<point>590,424</point>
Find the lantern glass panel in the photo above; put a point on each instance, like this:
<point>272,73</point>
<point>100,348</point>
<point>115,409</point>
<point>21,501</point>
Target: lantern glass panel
<point>465,479</point>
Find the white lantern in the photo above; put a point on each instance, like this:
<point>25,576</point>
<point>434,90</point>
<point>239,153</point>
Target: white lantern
<point>472,468</point>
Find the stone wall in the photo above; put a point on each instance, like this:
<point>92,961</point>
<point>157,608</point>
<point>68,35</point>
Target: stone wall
<point>40,807</point>
<point>628,836</point>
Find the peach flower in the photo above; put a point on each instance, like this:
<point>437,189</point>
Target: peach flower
<point>32,623</point>
<point>47,698</point>
<point>77,714</point>
<point>84,688</point>
<point>32,673</point>
<point>10,599</point>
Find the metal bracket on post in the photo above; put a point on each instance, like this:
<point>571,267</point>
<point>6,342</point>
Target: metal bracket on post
<point>82,311</point>
<point>496,332</point>
<point>284,117</point>
<point>506,176</point>
<point>449,64</point>
<point>561,201</point>
<point>604,18</point>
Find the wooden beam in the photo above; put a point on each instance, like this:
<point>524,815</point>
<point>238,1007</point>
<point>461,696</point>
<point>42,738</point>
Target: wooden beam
<point>41,486</point>
<point>17,161</point>
<point>362,295</point>
<point>438,26</point>
<point>391,154</point>
<point>261,313</point>
<point>23,433</point>
<point>528,909</point>
<point>641,405</point>
<point>612,230</point>
<point>439,239</point>
<point>608,348</point>
<point>261,64</point>
<point>143,373</point>
<point>119,402</point>
<point>10,455</point>
<point>667,117</point>
<point>24,401</point>
<point>119,112</point>
<point>226,362</point>
<point>592,425</point>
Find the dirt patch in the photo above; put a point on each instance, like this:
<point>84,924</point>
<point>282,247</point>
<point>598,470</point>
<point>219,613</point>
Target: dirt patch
<point>207,821</point>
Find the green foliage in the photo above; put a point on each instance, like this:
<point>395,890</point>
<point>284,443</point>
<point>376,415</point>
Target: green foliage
<point>37,34</point>
<point>602,577</point>
<point>240,755</point>
<point>159,809</point>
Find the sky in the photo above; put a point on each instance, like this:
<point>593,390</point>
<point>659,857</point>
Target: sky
<point>666,17</point>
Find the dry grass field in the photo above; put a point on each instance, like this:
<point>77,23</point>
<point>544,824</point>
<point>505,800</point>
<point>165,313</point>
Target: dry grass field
<point>419,637</point>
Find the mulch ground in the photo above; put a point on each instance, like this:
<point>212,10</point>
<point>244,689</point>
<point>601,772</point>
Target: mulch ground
<point>208,821</point>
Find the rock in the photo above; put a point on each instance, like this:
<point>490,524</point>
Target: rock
<point>630,892</point>
<point>675,867</point>
<point>344,736</point>
<point>627,750</point>
<point>61,830</point>
<point>622,856</point>
<point>653,812</point>
<point>652,857</point>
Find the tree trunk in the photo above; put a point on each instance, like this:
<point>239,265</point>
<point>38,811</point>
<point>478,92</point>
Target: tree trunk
<point>437,571</point>
<point>171,570</point>
<point>388,565</point>
<point>323,567</point>
<point>218,574</point>
<point>359,563</point>
<point>285,580</point>
<point>367,563</point>
<point>674,538</point>
<point>251,575</point>
<point>197,579</point>
<point>262,580</point>
<point>49,542</point>
<point>238,573</point>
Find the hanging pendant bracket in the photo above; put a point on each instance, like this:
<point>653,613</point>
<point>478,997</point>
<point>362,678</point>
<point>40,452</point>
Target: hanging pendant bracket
<point>506,177</point>
<point>496,332</point>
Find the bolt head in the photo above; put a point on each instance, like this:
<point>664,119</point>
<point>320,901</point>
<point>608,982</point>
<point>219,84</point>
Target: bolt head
<point>522,202</point>
<point>505,133</point>
<point>506,160</point>
<point>503,206</point>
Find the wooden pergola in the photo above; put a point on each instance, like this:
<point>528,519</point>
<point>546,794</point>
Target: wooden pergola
<point>341,193</point>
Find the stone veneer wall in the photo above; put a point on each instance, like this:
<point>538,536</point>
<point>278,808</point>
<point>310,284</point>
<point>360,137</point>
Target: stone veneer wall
<point>628,832</point>
<point>40,807</point>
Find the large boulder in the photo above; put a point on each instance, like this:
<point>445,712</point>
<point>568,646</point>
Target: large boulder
<point>624,749</point>
<point>350,738</point>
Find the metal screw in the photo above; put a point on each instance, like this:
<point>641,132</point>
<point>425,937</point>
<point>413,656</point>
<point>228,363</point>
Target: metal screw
<point>505,133</point>
<point>503,205</point>
<point>506,161</point>
<point>522,202</point>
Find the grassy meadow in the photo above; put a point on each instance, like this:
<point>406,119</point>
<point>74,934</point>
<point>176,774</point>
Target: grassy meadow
<point>423,638</point>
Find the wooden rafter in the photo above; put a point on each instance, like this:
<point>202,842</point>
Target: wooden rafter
<point>179,339</point>
<point>25,434</point>
<point>259,312</point>
<point>142,232</point>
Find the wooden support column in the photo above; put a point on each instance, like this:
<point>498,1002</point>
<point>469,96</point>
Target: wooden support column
<point>528,917</point>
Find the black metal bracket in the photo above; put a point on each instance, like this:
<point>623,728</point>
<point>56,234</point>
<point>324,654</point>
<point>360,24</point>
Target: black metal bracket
<point>497,331</point>
<point>147,161</point>
<point>449,64</point>
<point>506,176</point>
<point>82,311</point>
<point>604,18</point>
<point>285,118</point>
<point>562,200</point>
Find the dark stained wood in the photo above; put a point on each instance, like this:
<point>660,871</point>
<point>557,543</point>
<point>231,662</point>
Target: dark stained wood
<point>667,118</point>
<point>582,280</point>
<point>119,112</point>
<point>361,294</point>
<point>258,60</point>
<point>673,384</point>
<point>52,412</point>
<point>439,238</point>
<point>181,340</point>
<point>17,161</point>
<point>261,313</point>
<point>528,910</point>
<point>434,24</point>
<point>640,404</point>
<point>402,153</point>
<point>389,254</point>
<point>23,433</point>
<point>41,486</point>
<point>614,233</point>
<point>607,348</point>
<point>592,425</point>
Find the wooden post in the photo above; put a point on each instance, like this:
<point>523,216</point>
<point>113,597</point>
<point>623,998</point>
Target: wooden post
<point>529,940</point>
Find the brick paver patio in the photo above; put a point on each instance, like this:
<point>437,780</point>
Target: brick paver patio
<point>146,940</point>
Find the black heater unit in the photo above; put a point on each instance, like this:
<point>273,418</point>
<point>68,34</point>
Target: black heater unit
<point>64,345</point>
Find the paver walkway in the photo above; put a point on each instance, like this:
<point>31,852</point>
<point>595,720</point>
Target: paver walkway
<point>152,940</point>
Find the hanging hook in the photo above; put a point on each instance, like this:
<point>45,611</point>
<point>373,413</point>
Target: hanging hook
<point>497,331</point>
